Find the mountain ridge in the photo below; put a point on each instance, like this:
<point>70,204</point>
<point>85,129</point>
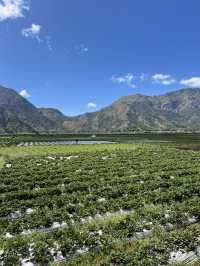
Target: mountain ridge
<point>176,110</point>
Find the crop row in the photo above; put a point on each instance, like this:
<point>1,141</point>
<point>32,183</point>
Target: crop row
<point>180,247</point>
<point>65,244</point>
<point>56,207</point>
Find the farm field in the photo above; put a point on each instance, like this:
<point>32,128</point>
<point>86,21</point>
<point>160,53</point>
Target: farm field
<point>108,204</point>
<point>32,139</point>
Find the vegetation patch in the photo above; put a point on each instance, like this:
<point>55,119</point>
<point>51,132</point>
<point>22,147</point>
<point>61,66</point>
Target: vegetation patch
<point>14,151</point>
<point>1,162</point>
<point>99,205</point>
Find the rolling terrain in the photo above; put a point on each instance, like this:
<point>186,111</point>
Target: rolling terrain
<point>179,110</point>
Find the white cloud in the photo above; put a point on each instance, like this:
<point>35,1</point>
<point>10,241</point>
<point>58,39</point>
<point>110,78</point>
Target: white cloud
<point>193,82</point>
<point>168,81</point>
<point>91,105</point>
<point>25,94</point>
<point>143,77</point>
<point>163,79</point>
<point>48,43</point>
<point>33,32</point>
<point>126,80</point>
<point>81,49</point>
<point>160,77</point>
<point>12,9</point>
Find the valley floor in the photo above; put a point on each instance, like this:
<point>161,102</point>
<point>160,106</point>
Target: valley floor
<point>108,204</point>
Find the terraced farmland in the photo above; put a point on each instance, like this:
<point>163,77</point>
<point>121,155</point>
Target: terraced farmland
<point>108,205</point>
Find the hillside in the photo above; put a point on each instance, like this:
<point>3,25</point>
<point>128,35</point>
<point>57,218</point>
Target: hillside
<point>179,110</point>
<point>19,115</point>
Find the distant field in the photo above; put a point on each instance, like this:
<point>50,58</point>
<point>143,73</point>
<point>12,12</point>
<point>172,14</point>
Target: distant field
<point>178,138</point>
<point>109,204</point>
<point>14,151</point>
<point>1,162</point>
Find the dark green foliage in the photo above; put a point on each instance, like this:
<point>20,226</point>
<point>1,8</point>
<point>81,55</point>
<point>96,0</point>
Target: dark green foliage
<point>139,193</point>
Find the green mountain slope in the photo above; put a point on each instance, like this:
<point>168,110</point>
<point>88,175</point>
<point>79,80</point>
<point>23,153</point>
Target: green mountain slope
<point>19,115</point>
<point>179,110</point>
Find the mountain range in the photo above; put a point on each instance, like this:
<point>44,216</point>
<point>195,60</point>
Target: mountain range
<point>178,110</point>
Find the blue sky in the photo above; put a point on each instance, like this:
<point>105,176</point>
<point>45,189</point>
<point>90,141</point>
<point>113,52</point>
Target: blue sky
<point>79,56</point>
